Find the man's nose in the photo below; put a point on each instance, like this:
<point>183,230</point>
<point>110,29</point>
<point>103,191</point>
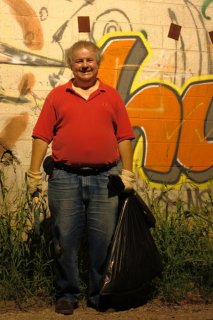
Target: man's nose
<point>85,63</point>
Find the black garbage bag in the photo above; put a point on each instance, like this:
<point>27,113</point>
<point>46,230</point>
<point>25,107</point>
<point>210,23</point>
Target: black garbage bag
<point>134,259</point>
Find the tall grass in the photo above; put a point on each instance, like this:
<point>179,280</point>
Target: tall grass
<point>26,268</point>
<point>184,239</point>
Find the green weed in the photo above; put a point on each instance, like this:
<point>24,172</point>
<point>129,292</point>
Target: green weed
<point>25,255</point>
<point>183,237</point>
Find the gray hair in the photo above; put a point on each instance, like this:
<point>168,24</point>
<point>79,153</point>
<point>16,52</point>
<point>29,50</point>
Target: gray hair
<point>82,44</point>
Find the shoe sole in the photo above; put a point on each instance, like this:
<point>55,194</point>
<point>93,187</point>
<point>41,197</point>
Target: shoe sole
<point>65,312</point>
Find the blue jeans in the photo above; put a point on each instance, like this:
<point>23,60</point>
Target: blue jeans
<point>76,201</point>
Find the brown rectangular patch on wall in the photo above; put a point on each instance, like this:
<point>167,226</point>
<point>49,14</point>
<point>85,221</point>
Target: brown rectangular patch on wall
<point>83,24</point>
<point>174,31</point>
<point>211,36</point>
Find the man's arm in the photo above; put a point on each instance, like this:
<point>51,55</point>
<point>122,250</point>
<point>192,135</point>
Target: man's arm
<point>39,150</point>
<point>126,155</point>
<point>34,175</point>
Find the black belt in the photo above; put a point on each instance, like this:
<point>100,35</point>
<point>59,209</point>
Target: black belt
<point>84,171</point>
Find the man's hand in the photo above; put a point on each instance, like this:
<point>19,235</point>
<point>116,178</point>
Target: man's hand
<point>128,179</point>
<point>34,181</point>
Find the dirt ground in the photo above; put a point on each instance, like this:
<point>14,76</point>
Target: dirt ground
<point>149,311</point>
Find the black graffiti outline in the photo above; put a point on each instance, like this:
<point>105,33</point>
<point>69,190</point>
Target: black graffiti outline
<point>109,11</point>
<point>187,2</point>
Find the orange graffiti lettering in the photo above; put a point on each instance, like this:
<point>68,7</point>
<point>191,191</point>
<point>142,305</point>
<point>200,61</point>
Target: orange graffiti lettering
<point>29,22</point>
<point>195,151</point>
<point>176,127</point>
<point>156,110</point>
<point>26,84</point>
<point>12,131</point>
<point>114,57</point>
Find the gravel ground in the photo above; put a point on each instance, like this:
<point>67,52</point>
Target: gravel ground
<point>150,311</point>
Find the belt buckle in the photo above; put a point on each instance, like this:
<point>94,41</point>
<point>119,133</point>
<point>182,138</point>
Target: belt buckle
<point>87,169</point>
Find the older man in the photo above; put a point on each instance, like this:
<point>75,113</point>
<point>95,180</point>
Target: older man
<point>88,125</point>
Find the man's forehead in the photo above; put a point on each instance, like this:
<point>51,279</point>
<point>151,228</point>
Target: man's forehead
<point>84,52</point>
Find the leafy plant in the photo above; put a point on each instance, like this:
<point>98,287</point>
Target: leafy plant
<point>183,237</point>
<point>25,256</point>
<point>185,241</point>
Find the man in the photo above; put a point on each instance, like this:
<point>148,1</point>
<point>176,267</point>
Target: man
<point>87,123</point>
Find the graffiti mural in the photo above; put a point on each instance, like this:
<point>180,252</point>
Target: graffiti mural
<point>167,85</point>
<point>175,123</point>
<point>205,5</point>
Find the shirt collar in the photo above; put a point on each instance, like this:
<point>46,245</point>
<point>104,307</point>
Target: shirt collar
<point>68,86</point>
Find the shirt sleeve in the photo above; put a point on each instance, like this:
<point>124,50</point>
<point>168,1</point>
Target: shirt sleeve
<point>124,130</point>
<point>44,127</point>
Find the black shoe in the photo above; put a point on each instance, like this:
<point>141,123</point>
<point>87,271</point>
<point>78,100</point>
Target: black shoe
<point>109,310</point>
<point>64,306</point>
<point>92,305</point>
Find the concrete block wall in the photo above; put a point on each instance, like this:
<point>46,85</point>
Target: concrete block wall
<point>167,84</point>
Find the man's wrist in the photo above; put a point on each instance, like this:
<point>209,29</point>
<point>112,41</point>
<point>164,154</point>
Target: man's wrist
<point>128,173</point>
<point>34,173</point>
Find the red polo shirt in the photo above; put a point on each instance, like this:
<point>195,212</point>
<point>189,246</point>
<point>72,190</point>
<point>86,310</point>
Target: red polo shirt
<point>84,132</point>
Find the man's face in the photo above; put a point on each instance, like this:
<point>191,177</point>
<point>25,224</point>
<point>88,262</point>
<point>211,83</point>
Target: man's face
<point>84,64</point>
